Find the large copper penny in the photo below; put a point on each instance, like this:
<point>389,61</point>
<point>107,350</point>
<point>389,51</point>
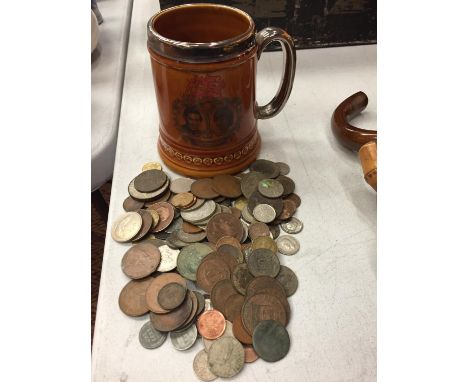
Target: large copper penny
<point>175,318</point>
<point>241,277</point>
<point>258,229</point>
<point>189,321</point>
<point>220,293</point>
<point>203,188</point>
<point>158,283</point>
<point>227,185</point>
<point>233,306</point>
<point>249,184</point>
<point>171,295</point>
<point>166,215</point>
<point>190,228</point>
<point>211,271</point>
<point>289,207</point>
<point>224,224</point>
<point>240,332</point>
<point>132,299</point>
<point>262,282</point>
<point>141,260</point>
<point>234,252</point>
<point>150,180</point>
<point>228,240</point>
<point>146,226</point>
<point>260,307</point>
<point>211,324</point>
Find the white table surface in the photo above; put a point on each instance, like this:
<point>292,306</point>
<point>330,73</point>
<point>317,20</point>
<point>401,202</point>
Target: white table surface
<point>333,325</point>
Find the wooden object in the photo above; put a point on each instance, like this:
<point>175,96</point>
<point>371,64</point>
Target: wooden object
<point>368,157</point>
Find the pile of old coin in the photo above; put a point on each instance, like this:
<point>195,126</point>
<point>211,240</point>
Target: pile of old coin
<point>204,262</point>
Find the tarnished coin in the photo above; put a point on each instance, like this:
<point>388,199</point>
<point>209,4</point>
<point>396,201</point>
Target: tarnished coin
<point>230,250</point>
<point>155,216</point>
<point>150,338</point>
<point>226,357</point>
<point>180,185</point>
<point>266,167</point>
<point>284,168</point>
<point>235,212</point>
<point>220,293</point>
<point>132,299</point>
<point>198,203</point>
<point>174,319</point>
<point>190,228</point>
<point>227,186</point>
<point>175,225</point>
<point>163,195</point>
<point>288,184</point>
<point>263,262</point>
<point>146,226</point>
<point>228,240</point>
<point>270,188</point>
<point>150,180</point>
<point>140,260</point>
<point>183,200</point>
<point>155,287</point>
<point>190,258</point>
<point>258,284</point>
<point>203,188</point>
<point>224,224</point>
<point>166,215</point>
<point>250,354</point>
<point>191,318</point>
<point>204,212</point>
<point>227,333</point>
<point>240,332</point>
<point>201,302</point>
<point>288,280</point>
<point>211,324</point>
<point>168,259</point>
<point>191,237</point>
<point>240,203</point>
<point>241,277</point>
<point>233,306</point>
<point>288,245</point>
<point>271,340</point>
<point>171,295</point>
<point>184,340</point>
<point>210,272</point>
<point>265,242</point>
<point>131,204</point>
<point>247,215</point>
<point>247,249</point>
<point>173,241</point>
<point>151,166</point>
<point>264,213</point>
<point>289,208</point>
<point>260,307</point>
<point>258,229</point>
<point>293,225</point>
<point>257,198</point>
<point>249,183</point>
<point>126,227</point>
<point>275,231</point>
<point>147,196</point>
<point>201,368</point>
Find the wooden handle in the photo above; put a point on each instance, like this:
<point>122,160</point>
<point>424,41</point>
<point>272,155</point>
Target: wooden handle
<point>368,157</point>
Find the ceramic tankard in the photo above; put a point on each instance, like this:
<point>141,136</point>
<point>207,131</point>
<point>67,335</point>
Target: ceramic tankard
<point>204,59</point>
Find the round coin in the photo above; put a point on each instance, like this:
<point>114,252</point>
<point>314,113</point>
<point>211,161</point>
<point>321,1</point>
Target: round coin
<point>266,167</point>
<point>211,324</point>
<point>140,260</point>
<point>284,168</point>
<point>126,227</point>
<point>292,226</point>
<point>264,213</point>
<point>241,277</point>
<point>240,332</point>
<point>183,200</point>
<point>227,333</point>
<point>228,240</point>
<point>150,338</point>
<point>155,287</point>
<point>288,184</point>
<point>148,196</point>
<point>146,226</point>
<point>203,188</point>
<point>151,166</point>
<point>265,242</point>
<point>250,354</point>
<point>190,228</point>
<point>247,216</point>
<point>166,215</point>
<point>132,297</point>
<point>205,211</point>
<point>226,357</point>
<point>258,229</point>
<point>270,188</point>
<point>168,258</point>
<point>185,339</point>
<point>224,224</point>
<point>230,250</point>
<point>257,198</point>
<point>210,272</point>
<point>258,284</point>
<point>275,231</point>
<point>271,340</point>
<point>198,203</point>
<point>220,293</point>
<point>201,368</point>
<point>150,180</point>
<point>233,306</point>
<point>249,184</point>
<point>131,204</point>
<point>180,185</point>
<point>288,245</point>
<point>190,258</point>
<point>288,280</point>
<point>171,295</point>
<point>263,262</point>
<point>260,307</point>
<point>227,186</point>
<point>174,319</point>
<point>289,207</point>
<point>191,318</point>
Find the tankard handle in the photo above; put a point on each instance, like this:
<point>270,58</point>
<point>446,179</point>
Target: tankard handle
<point>263,38</point>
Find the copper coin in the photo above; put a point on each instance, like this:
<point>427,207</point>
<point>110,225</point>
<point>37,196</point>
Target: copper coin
<point>263,282</point>
<point>220,293</point>
<point>294,198</point>
<point>150,180</point>
<point>250,354</point>
<point>183,200</point>
<point>260,307</point>
<point>146,226</point>
<point>132,299</point>
<point>166,215</point>
<point>257,198</point>
<point>275,230</point>
<point>190,319</point>
<point>249,184</point>
<point>228,260</point>
<point>241,277</point>
<point>235,212</point>
<point>190,228</point>
<point>211,271</point>
<point>140,260</point>
<point>227,185</point>
<point>240,332</point>
<point>201,302</point>
<point>288,184</point>
<point>158,283</point>
<point>289,208</point>
<point>203,188</point>
<point>258,229</point>
<point>224,224</point>
<point>284,168</point>
<point>211,324</point>
<point>288,280</point>
<point>171,295</point>
<point>233,306</point>
<point>229,250</point>
<point>131,204</point>
<point>263,262</point>
<point>228,240</point>
<point>281,297</point>
<point>265,242</point>
<point>155,217</point>
<point>173,319</point>
<point>266,167</point>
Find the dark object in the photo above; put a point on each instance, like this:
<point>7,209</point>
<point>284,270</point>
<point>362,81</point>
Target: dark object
<point>311,23</point>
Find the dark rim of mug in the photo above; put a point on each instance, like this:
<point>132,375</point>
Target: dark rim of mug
<point>201,52</point>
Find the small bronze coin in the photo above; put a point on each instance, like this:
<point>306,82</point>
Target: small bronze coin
<point>227,186</point>
<point>171,295</point>
<point>241,277</point>
<point>295,198</point>
<point>288,280</point>
<point>224,224</point>
<point>257,198</point>
<point>226,357</point>
<point>270,188</point>
<point>132,299</point>
<point>271,340</point>
<point>233,306</point>
<point>263,262</point>
<point>210,272</point>
<point>258,229</point>
<point>166,215</point>
<point>249,185</point>
<point>288,184</point>
<point>289,208</point>
<point>211,324</point>
<point>260,307</point>
<point>190,228</point>
<point>146,226</point>
<point>174,319</point>
<point>258,284</point>
<point>220,293</point>
<point>230,250</point>
<point>183,200</point>
<point>250,354</point>
<point>141,260</point>
<point>265,242</point>
<point>240,332</point>
<point>155,287</point>
<point>203,188</point>
<point>235,212</point>
<point>266,167</point>
<point>131,204</point>
<point>150,180</point>
<point>228,240</point>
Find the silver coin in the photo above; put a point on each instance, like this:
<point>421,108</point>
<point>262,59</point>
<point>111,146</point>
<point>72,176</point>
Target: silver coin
<point>175,225</point>
<point>293,225</point>
<point>126,227</point>
<point>168,258</point>
<point>190,237</point>
<point>205,211</point>
<point>174,242</point>
<point>270,188</point>
<point>226,357</point>
<point>283,168</point>
<point>181,185</point>
<point>288,245</point>
<point>227,333</point>
<point>247,216</point>
<point>208,304</point>
<point>201,368</point>
<point>264,213</point>
<point>150,338</point>
<point>204,222</point>
<point>184,340</point>
<point>274,231</point>
<point>146,196</point>
<point>197,205</point>
<point>225,209</point>
<point>246,232</point>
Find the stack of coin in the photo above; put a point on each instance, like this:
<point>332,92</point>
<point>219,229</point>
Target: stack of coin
<point>205,261</point>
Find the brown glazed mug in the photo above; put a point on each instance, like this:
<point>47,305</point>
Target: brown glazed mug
<point>204,59</point>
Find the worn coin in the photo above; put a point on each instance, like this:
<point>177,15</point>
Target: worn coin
<point>132,299</point>
<point>235,212</point>
<point>190,228</point>
<point>190,258</point>
<point>275,231</point>
<point>151,166</point>
<point>284,168</point>
<point>241,277</point>
<point>266,167</point>
<point>131,204</point>
<point>271,340</point>
<point>247,249</point>
<point>180,185</point>
<point>146,226</point>
<point>224,224</point>
<point>168,258</point>
<point>288,245</point>
<point>230,250</point>
<point>288,280</point>
<point>147,196</point>
<point>265,242</point>
<point>183,200</point>
<point>228,240</point>
<point>176,224</point>
<point>263,262</point>
<point>260,307</point>
<point>126,226</point>
<point>155,287</point>
<point>211,324</point>
<point>174,319</point>
<point>249,183</point>
<point>171,295</point>
<point>206,210</point>
<point>201,302</point>
<point>258,229</point>
<point>166,215</point>
<point>140,260</point>
<point>184,340</point>
<point>247,215</point>
<point>250,354</point>
<point>227,333</point>
<point>289,208</point>
<point>270,188</point>
<point>150,180</point>
<point>220,293</point>
<point>155,216</point>
<point>226,357</point>
<point>198,203</point>
<point>191,237</point>
<point>258,284</point>
<point>240,203</point>
<point>201,368</point>
<point>233,306</point>
<point>264,213</point>
<point>240,332</point>
<point>203,188</point>
<point>210,272</point>
<point>163,196</point>
<point>288,184</point>
<point>191,318</point>
<point>227,186</point>
<point>150,338</point>
<point>257,198</point>
<point>173,241</point>
<point>293,225</point>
